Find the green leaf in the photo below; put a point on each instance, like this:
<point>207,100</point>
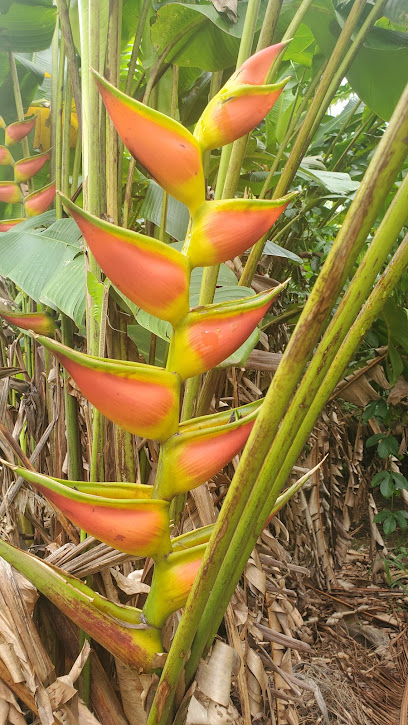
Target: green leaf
<point>382,515</point>
<point>142,337</point>
<point>177,213</point>
<point>388,447</point>
<point>337,182</point>
<point>387,487</point>
<point>384,55</point>
<point>274,250</point>
<point>96,290</point>
<point>372,440</point>
<point>397,12</point>
<point>401,518</point>
<point>389,524</point>
<point>397,322</point>
<point>66,290</point>
<point>379,478</point>
<point>240,356</point>
<point>400,481</point>
<point>375,409</point>
<point>397,365</point>
<point>27,27</point>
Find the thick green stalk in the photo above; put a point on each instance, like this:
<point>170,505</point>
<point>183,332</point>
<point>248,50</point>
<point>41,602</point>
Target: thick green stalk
<point>373,190</point>
<point>74,456</point>
<point>136,45</point>
<point>66,148</point>
<point>248,536</point>
<point>342,129</point>
<point>19,108</point>
<point>76,165</point>
<point>293,433</point>
<point>59,125</point>
<point>356,135</point>
<point>73,69</point>
<point>332,76</point>
<point>270,21</point>
<point>113,188</point>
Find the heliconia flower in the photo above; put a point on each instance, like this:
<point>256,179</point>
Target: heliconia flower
<point>18,130</point>
<point>39,201</point>
<point>39,322</point>
<point>209,334</point>
<point>173,578</point>
<point>195,454</point>
<point>242,103</point>
<point>26,168</point>
<point>142,399</point>
<point>6,158</point>
<point>134,526</point>
<point>150,273</point>
<point>6,224</point>
<point>10,192</point>
<point>163,146</point>
<point>122,630</point>
<point>224,229</point>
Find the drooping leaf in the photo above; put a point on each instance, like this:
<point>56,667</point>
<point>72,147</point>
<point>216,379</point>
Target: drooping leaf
<point>27,27</point>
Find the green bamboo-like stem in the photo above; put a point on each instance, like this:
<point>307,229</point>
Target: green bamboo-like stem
<point>342,129</point>
<point>73,69</point>
<point>136,45</point>
<point>66,147</point>
<point>76,165</point>
<point>376,184</point>
<point>362,323</point>
<point>113,189</point>
<point>293,433</point>
<point>20,110</point>
<point>270,21</point>
<point>332,76</point>
<point>58,132</point>
<point>363,127</point>
<point>74,456</point>
<point>89,15</point>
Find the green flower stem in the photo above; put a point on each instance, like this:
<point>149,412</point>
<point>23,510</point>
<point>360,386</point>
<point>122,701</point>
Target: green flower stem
<point>20,110</point>
<point>356,135</point>
<point>73,69</point>
<point>386,162</point>
<point>59,125</point>
<point>237,510</point>
<point>66,148</point>
<point>269,24</point>
<point>293,433</point>
<point>94,194</point>
<point>77,165</point>
<point>362,323</point>
<point>136,45</point>
<point>332,76</point>
<point>113,188</point>
<point>343,127</point>
<point>74,456</point>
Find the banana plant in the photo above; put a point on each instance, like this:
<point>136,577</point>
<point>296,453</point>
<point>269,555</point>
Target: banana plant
<point>145,399</point>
